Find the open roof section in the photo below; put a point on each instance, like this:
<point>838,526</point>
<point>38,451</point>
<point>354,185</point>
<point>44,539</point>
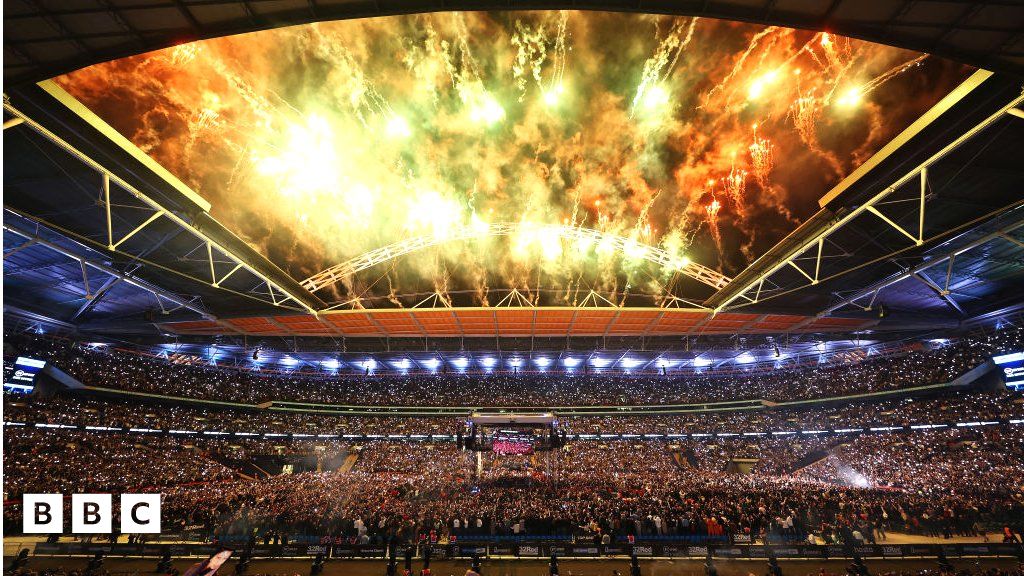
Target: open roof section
<point>77,176</point>
<point>43,40</point>
<point>61,150</point>
<point>947,185</point>
<point>166,244</point>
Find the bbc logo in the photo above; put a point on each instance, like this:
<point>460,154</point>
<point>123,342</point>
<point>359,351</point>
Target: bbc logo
<point>90,514</point>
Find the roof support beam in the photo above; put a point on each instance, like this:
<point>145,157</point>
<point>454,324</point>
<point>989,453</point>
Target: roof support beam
<point>95,299</point>
<point>128,279</point>
<point>1005,236</point>
<point>19,248</point>
<point>940,292</point>
<point>253,263</point>
<point>740,286</point>
<point>878,286</point>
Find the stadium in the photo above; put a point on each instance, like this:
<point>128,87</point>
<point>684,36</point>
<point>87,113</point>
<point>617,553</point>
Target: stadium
<point>593,288</point>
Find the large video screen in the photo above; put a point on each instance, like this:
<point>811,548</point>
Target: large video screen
<point>1011,366</point>
<point>513,442</point>
<point>22,378</point>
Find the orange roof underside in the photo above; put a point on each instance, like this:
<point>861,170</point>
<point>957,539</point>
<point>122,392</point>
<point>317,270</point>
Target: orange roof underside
<point>492,322</point>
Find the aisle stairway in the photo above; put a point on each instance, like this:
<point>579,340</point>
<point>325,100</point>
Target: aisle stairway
<point>684,461</point>
<point>245,468</point>
<point>350,461</point>
<point>813,458</point>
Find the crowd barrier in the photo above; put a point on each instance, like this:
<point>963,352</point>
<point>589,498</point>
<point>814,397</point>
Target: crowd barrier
<point>546,549</point>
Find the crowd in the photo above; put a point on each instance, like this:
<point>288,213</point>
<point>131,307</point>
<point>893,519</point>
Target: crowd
<point>975,571</point>
<point>988,460</point>
<point>958,481</point>
<point>948,408</point>
<point>38,461</point>
<point>113,368</point>
<point>755,472</point>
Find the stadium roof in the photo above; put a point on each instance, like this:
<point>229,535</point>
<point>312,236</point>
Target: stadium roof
<point>518,322</point>
<point>43,40</point>
<point>925,234</point>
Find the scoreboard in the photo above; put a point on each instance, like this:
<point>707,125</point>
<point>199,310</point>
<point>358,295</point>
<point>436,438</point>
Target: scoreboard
<point>509,433</point>
<point>1011,368</point>
<point>21,378</point>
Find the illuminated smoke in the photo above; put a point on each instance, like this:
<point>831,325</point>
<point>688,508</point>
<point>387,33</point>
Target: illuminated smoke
<point>317,143</point>
<point>805,112</point>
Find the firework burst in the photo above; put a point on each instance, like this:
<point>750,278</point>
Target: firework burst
<point>317,143</point>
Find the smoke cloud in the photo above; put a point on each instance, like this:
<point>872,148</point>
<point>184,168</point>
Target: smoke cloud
<point>707,138</point>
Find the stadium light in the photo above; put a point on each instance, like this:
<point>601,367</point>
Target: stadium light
<point>515,362</point>
<point>571,362</point>
<point>331,364</point>
<point>369,364</point>
<point>629,363</point>
<point>461,363</point>
<point>289,361</point>
<point>599,362</point>
<point>745,358</point>
<point>543,362</point>
<point>701,362</point>
<point>433,363</point>
<point>488,362</point>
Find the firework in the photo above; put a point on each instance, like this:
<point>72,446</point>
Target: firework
<point>837,51</point>
<point>651,93</point>
<point>854,95</point>
<point>318,143</point>
<point>805,111</point>
<point>762,83</point>
<point>712,210</point>
<point>761,158</point>
<point>531,52</point>
<point>755,40</point>
<point>735,188</point>
<point>184,53</point>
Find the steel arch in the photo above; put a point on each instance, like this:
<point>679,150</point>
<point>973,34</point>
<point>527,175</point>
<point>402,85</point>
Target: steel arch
<point>621,244</point>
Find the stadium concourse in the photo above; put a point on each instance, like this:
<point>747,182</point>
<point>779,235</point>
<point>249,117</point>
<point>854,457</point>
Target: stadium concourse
<point>600,288</point>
